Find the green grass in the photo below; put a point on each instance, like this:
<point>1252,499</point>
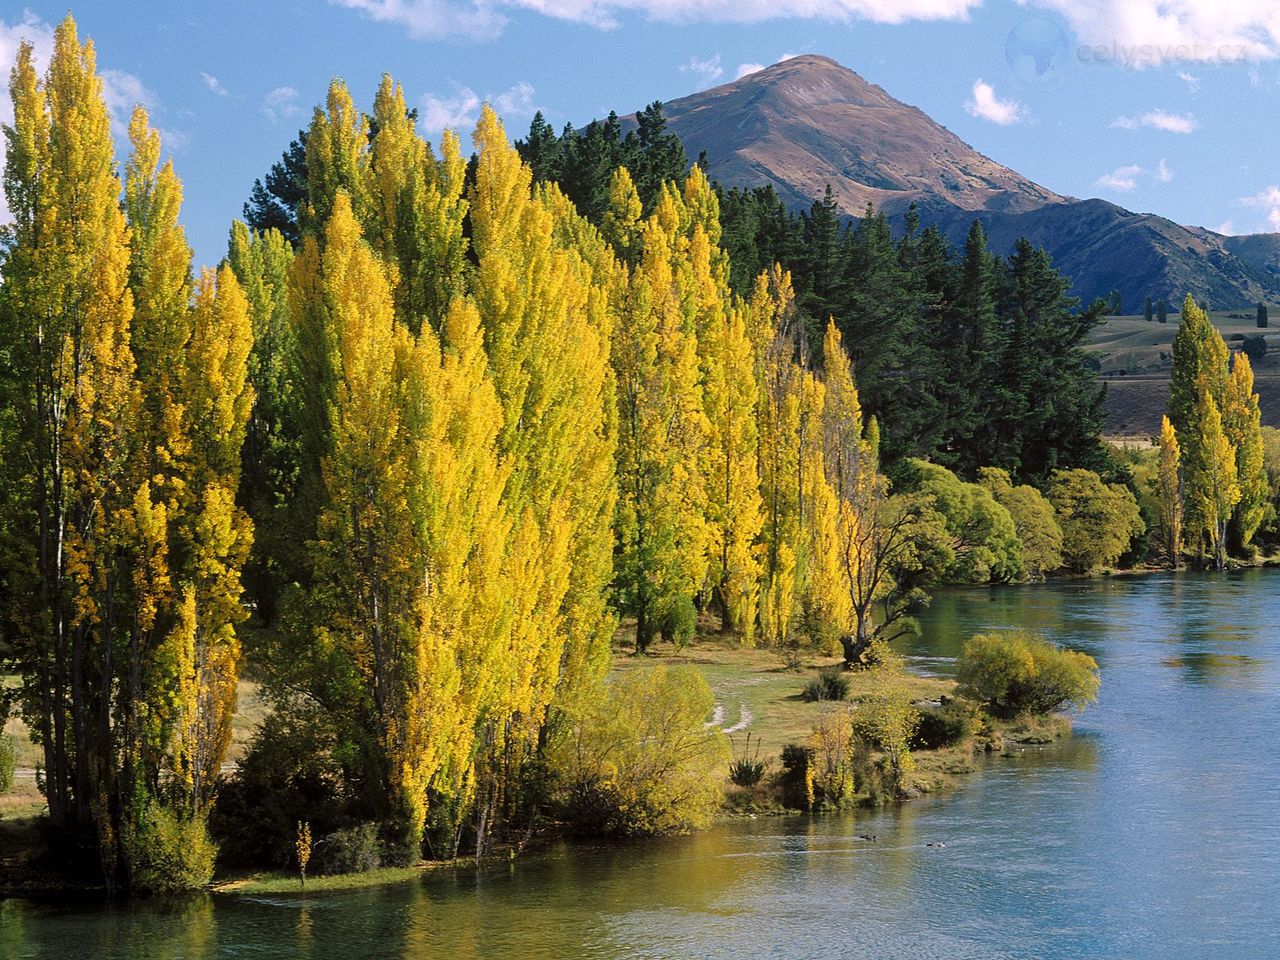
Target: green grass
<point>275,883</point>
<point>1134,346</point>
<point>753,685</point>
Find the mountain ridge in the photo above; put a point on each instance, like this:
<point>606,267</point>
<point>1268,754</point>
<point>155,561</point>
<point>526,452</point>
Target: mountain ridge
<point>808,121</point>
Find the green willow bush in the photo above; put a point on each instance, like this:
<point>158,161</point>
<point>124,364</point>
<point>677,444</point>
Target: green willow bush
<point>1016,673</point>
<point>637,759</point>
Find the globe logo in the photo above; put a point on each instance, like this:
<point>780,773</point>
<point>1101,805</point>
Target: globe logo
<point>1038,52</point>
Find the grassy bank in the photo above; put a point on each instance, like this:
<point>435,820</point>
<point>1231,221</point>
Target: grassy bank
<point>756,694</point>
<point>268,883</point>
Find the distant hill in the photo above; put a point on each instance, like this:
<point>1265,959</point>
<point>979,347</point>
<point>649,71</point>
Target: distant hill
<point>808,122</point>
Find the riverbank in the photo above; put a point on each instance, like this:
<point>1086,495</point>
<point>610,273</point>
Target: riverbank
<point>757,696</point>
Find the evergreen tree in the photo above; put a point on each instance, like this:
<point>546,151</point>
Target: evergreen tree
<point>1262,315</point>
<point>1147,310</point>
<point>274,204</point>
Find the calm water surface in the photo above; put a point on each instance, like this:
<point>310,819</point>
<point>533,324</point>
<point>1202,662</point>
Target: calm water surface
<point>1151,834</point>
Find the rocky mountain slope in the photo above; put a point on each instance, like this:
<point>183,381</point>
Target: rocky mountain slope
<point>808,122</point>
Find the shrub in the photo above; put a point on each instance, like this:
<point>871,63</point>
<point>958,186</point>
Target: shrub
<point>679,621</point>
<point>748,769</point>
<point>980,538</point>
<point>170,853</point>
<point>636,758</point>
<point>945,726</point>
<point>832,684</point>
<point>8,761</point>
<point>796,759</point>
<point>830,776</point>
<point>1034,520</point>
<point>886,721</point>
<point>349,850</point>
<point>285,777</point>
<point>1016,673</point>
<point>1098,520</point>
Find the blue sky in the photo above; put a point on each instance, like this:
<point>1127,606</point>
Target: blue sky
<point>1168,106</point>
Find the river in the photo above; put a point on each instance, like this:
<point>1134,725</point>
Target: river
<point>1154,832</point>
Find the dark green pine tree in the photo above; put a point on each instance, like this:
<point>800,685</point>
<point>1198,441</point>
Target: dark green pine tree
<point>819,273</point>
<point>541,150</point>
<point>1049,412</point>
<point>1146,310</point>
<point>877,313</point>
<point>1262,315</point>
<point>1162,312</point>
<point>972,346</point>
<point>653,154</point>
<point>273,204</point>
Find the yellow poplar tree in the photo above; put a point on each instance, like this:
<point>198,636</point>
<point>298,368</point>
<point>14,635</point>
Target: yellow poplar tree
<point>365,609</point>
<point>416,211</point>
<point>1211,480</point>
<point>337,160</point>
<point>663,433</point>
<point>1169,492</point>
<point>216,533</point>
<point>1242,423</point>
<point>548,353</point>
<point>86,280</point>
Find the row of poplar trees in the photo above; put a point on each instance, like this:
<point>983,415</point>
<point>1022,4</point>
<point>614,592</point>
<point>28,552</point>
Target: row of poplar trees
<point>444,442</point>
<point>1212,481</point>
<point>125,403</point>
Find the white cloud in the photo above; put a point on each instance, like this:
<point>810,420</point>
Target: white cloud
<point>212,83</point>
<point>746,69</point>
<point>1159,120</point>
<point>430,19</point>
<point>1121,179</point>
<point>1227,228</point>
<point>281,104</point>
<point>433,19</point>
<point>1148,33</point>
<point>515,102</point>
<point>1125,179</point>
<point>1192,82</point>
<point>1269,201</point>
<point>988,106</point>
<point>707,71</point>
<point>461,110</point>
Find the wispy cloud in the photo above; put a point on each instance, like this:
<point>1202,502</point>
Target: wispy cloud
<point>746,69</point>
<point>707,71</point>
<point>212,83</point>
<point>1126,179</point>
<point>461,110</point>
<point>281,104</point>
<point>1267,200</point>
<point>1158,120</point>
<point>1121,179</point>
<point>1192,82</point>
<point>1148,33</point>
<point>434,19</point>
<point>987,105</point>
